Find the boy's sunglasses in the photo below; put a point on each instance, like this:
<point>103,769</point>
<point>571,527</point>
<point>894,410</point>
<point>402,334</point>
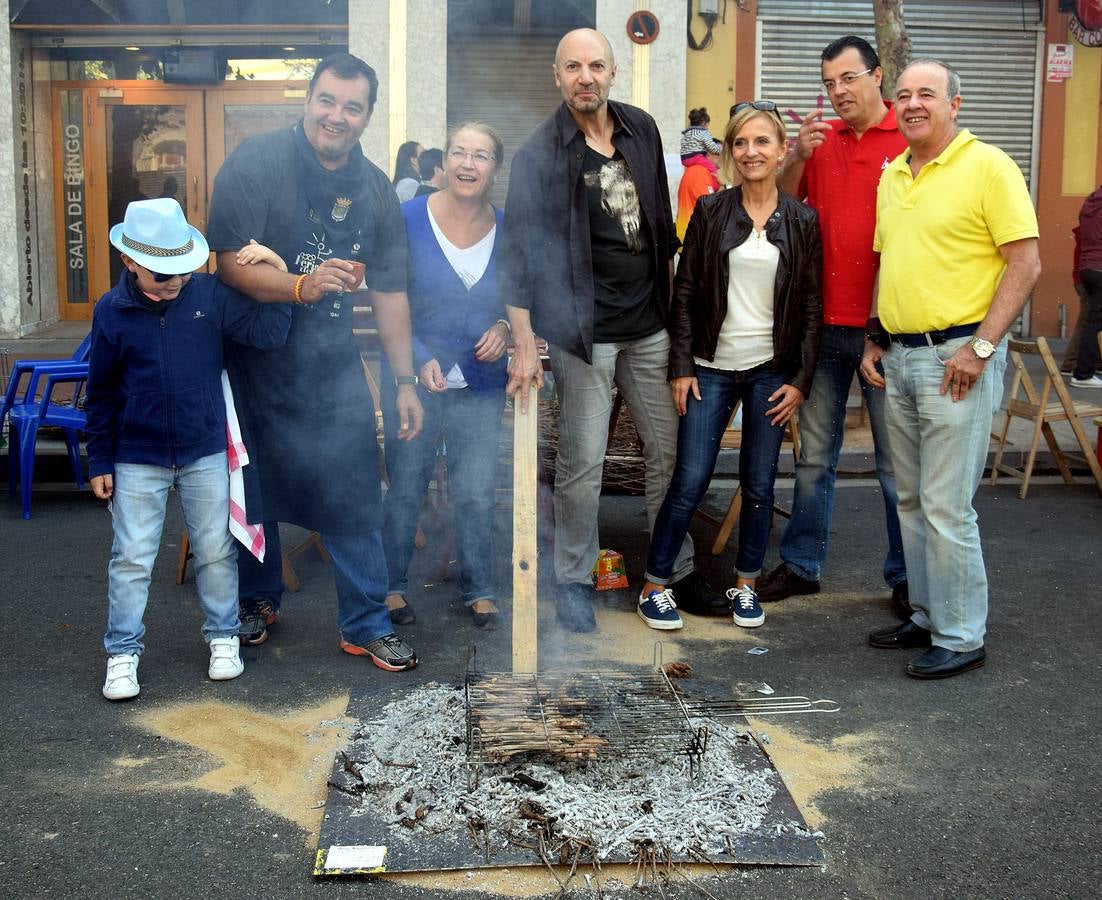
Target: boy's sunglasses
<point>760,105</point>
<point>161,278</point>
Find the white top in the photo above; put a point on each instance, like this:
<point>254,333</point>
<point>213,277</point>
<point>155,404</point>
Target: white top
<point>406,188</point>
<point>746,336</point>
<point>469,263</point>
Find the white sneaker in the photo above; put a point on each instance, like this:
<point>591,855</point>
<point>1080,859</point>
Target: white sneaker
<point>122,677</point>
<point>225,658</point>
<point>1095,381</point>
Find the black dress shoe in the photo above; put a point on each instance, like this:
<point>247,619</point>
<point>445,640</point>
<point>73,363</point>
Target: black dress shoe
<point>574,607</point>
<point>487,617</point>
<point>694,595</point>
<point>783,582</point>
<point>403,615</point>
<point>901,601</point>
<point>898,636</point>
<point>937,662</point>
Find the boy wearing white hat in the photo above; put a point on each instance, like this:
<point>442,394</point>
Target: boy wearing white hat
<point>157,419</point>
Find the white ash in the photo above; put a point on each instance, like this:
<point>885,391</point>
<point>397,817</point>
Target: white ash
<point>413,763</point>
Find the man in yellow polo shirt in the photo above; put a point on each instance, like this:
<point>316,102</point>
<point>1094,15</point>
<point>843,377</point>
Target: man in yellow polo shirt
<point>957,237</point>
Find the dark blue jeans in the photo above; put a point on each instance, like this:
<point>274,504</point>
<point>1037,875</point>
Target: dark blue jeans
<point>359,570</point>
<point>698,439</point>
<point>465,424</point>
<point>1088,360</point>
<point>822,430</point>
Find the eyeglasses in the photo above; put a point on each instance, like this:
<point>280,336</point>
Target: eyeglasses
<point>846,80</point>
<point>478,157</point>
<point>759,105</point>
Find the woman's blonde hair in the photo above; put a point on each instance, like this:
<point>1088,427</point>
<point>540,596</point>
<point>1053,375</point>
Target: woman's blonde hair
<point>734,126</point>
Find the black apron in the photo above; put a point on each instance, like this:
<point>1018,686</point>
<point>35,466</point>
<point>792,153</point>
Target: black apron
<point>307,414</point>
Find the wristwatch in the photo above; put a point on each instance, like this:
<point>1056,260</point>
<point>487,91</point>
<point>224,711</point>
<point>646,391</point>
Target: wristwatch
<point>399,380</point>
<point>983,349</point>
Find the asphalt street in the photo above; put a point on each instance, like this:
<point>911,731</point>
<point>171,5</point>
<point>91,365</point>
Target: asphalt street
<point>985,785</point>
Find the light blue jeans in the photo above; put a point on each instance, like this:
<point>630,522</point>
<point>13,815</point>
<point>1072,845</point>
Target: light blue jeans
<point>939,449</point>
<point>822,429</point>
<point>638,369</point>
<point>138,517</point>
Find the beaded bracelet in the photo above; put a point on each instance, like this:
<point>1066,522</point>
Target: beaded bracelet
<point>298,289</point>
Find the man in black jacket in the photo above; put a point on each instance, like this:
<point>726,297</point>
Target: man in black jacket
<point>587,249</point>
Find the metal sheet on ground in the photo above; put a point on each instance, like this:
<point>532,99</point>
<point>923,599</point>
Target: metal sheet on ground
<point>347,823</point>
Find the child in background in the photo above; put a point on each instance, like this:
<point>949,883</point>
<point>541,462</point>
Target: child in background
<point>157,419</point>
<point>697,140</point>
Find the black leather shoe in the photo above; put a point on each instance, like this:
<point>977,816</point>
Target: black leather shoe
<point>694,595</point>
<point>937,662</point>
<point>486,617</point>
<point>783,582</point>
<point>899,636</point>
<point>403,615</point>
<point>901,601</point>
<point>574,607</point>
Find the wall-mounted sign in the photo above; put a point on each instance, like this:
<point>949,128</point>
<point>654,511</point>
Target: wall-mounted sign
<point>1085,23</point>
<point>74,198</point>
<point>1060,62</point>
<point>643,27</point>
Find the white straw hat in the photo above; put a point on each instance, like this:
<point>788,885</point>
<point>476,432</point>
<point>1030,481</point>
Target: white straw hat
<point>156,235</point>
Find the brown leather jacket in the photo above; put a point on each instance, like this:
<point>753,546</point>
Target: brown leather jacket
<point>699,304</point>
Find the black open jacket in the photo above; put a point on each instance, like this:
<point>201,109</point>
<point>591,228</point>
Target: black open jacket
<point>699,303</point>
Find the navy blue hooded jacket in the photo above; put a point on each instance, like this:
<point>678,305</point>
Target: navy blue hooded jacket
<point>154,387</point>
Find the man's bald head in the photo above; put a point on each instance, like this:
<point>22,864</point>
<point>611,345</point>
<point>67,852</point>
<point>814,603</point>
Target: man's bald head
<point>585,36</point>
<point>584,71</point>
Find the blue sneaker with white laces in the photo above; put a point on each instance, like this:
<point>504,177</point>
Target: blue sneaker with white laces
<point>748,611</point>
<point>659,610</point>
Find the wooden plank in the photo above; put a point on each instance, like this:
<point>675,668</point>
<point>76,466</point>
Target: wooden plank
<point>524,535</point>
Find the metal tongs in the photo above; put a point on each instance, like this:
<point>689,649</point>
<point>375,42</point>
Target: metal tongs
<point>761,706</point>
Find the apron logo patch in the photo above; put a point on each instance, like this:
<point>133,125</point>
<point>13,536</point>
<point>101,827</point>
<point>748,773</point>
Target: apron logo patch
<point>340,209</point>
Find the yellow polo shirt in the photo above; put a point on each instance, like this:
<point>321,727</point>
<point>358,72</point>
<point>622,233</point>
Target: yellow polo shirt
<point>938,235</point>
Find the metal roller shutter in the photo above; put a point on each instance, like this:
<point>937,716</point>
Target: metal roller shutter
<point>514,105</point>
<point>995,45</point>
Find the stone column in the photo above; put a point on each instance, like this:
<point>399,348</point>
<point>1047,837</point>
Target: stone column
<point>405,41</point>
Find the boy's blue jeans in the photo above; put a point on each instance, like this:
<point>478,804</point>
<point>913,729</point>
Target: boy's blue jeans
<point>138,514</point>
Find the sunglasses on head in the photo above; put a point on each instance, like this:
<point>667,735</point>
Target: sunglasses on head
<point>759,105</point>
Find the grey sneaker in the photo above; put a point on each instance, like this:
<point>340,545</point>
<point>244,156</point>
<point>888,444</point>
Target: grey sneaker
<point>122,677</point>
<point>389,652</point>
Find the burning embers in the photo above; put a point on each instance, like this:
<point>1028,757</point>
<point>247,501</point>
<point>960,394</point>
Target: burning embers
<point>604,777</point>
<point>580,716</point>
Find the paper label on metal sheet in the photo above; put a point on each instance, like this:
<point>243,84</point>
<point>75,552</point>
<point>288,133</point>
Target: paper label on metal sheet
<point>354,857</point>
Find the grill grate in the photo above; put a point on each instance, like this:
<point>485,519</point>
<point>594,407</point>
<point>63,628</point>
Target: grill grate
<point>577,716</point>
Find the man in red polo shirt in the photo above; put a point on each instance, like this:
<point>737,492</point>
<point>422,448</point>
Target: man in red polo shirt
<point>836,166</point>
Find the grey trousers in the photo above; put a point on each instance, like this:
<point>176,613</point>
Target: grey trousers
<point>638,369</point>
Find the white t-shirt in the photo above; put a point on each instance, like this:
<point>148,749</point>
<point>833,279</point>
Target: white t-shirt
<point>746,336</point>
<point>469,263</point>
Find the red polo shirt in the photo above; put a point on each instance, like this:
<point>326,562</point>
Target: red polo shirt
<point>839,182</point>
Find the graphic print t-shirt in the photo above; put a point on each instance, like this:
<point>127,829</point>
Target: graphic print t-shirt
<point>625,304</point>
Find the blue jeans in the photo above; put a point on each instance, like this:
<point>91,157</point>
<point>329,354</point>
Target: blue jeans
<point>698,440</point>
<point>468,424</point>
<point>1089,359</point>
<point>638,369</point>
<point>138,517</point>
<point>359,570</point>
<point>822,429</point>
<point>939,449</point>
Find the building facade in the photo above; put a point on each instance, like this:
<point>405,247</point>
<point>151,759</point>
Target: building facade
<point>113,100</point>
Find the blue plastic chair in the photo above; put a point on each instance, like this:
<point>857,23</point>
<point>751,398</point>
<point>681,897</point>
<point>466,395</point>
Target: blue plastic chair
<point>29,366</point>
<point>27,416</point>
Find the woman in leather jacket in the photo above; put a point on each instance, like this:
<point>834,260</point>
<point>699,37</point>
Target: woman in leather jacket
<point>744,328</point>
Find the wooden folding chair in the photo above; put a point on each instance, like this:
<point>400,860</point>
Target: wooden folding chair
<point>1026,402</point>
<point>732,440</point>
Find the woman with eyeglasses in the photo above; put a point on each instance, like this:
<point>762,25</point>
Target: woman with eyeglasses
<point>744,328</point>
<point>459,340</point>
